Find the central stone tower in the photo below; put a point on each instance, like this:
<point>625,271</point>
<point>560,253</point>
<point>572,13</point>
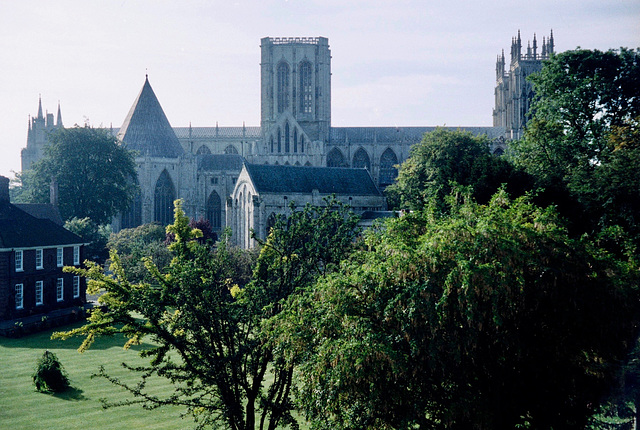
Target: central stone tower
<point>296,86</point>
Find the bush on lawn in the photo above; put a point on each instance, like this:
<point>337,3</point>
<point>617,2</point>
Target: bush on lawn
<point>50,375</point>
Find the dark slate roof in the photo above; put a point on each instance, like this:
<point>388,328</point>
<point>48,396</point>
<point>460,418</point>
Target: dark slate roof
<point>146,128</point>
<point>400,134</point>
<point>372,215</point>
<point>18,229</point>
<point>211,162</point>
<point>42,211</point>
<point>217,132</point>
<point>299,179</point>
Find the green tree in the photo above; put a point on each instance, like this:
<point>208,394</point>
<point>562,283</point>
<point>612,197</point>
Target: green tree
<point>208,326</point>
<point>445,157</point>
<point>50,376</point>
<point>585,100</point>
<point>95,174</point>
<point>487,317</point>
<point>95,235</point>
<point>136,245</point>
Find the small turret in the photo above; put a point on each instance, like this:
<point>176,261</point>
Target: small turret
<point>500,66</point>
<point>535,46</point>
<point>550,46</point>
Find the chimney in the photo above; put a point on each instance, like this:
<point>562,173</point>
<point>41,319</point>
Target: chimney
<point>4,189</point>
<point>53,191</point>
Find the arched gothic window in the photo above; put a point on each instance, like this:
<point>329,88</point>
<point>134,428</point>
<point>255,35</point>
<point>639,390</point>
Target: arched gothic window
<point>214,211</point>
<point>203,150</point>
<point>283,87</point>
<point>230,150</point>
<point>388,171</point>
<point>287,146</point>
<point>271,222</point>
<point>133,217</point>
<point>295,140</point>
<point>306,87</point>
<point>279,140</point>
<point>163,198</point>
<point>301,143</point>
<point>335,158</point>
<point>271,142</point>
<point>361,160</point>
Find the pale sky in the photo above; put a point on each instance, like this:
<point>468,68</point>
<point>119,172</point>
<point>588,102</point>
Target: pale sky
<point>394,63</point>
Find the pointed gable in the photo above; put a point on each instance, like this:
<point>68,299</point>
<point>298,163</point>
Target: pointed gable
<point>146,128</point>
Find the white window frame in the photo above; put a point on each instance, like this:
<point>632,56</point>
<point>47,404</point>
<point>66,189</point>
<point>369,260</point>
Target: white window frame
<point>19,258</point>
<point>76,287</point>
<point>76,255</point>
<point>60,289</point>
<point>60,257</point>
<point>19,296</point>
<point>39,293</point>
<point>39,259</point>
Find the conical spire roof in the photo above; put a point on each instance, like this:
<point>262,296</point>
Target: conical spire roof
<point>59,120</point>
<point>146,128</point>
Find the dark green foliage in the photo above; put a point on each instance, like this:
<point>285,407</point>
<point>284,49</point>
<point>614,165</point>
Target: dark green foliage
<point>135,245</point>
<point>50,375</point>
<point>207,320</point>
<point>444,158</point>
<point>95,174</point>
<point>579,144</point>
<point>487,317</point>
<point>95,235</point>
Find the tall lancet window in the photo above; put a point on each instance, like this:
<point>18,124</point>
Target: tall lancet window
<point>164,196</point>
<point>279,140</point>
<point>287,144</point>
<point>214,211</point>
<point>306,87</point>
<point>283,87</point>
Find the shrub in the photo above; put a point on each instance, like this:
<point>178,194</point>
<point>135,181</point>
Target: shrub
<point>50,375</point>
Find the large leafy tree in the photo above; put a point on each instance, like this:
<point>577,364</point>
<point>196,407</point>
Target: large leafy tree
<point>136,245</point>
<point>445,157</point>
<point>582,137</point>
<point>207,324</point>
<point>486,317</point>
<point>94,173</point>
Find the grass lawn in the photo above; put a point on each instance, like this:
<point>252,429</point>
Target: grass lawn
<point>22,407</point>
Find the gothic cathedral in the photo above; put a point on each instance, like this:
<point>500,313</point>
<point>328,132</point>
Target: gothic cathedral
<point>241,177</point>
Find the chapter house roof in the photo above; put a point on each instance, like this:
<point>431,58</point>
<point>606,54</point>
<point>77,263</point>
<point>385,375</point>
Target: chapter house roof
<point>268,178</point>
<point>146,128</point>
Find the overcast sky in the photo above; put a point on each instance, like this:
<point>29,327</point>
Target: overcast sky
<point>399,62</point>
